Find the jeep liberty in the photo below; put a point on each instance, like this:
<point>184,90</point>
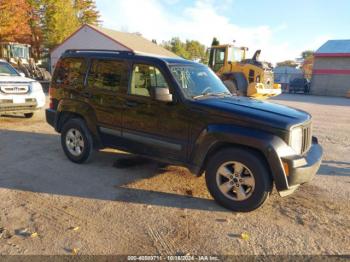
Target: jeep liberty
<point>179,112</point>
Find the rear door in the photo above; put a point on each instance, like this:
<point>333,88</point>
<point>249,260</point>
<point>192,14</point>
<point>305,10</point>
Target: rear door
<point>107,83</point>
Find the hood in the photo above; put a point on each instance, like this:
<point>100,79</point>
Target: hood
<point>255,111</point>
<point>16,79</point>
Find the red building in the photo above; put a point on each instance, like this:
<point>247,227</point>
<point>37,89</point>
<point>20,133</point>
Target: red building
<point>331,70</point>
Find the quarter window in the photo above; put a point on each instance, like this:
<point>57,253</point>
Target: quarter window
<point>145,78</point>
<point>109,75</point>
<point>70,71</point>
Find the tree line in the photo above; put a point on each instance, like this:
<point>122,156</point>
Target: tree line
<point>44,23</point>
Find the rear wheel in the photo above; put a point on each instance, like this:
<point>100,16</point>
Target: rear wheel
<point>238,179</point>
<point>76,141</point>
<point>28,115</point>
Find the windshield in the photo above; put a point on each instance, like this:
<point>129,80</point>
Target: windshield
<point>7,70</point>
<point>20,51</point>
<point>198,81</point>
<point>235,54</point>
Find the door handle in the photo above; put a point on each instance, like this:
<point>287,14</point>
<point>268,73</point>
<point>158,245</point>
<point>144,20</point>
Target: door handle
<point>131,104</point>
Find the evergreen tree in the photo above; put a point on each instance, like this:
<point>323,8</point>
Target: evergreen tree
<point>215,42</point>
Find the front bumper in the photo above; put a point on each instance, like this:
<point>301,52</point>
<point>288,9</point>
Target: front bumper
<point>30,102</point>
<point>302,169</point>
<point>8,107</point>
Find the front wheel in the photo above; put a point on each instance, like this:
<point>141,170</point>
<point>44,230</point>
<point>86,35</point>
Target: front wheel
<point>238,179</point>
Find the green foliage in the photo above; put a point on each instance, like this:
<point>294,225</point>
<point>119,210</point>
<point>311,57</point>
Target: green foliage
<point>290,63</point>
<point>215,42</point>
<point>52,21</point>
<point>59,21</point>
<point>306,54</point>
<point>191,50</point>
<point>87,12</point>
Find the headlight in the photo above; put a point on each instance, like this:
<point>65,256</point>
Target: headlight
<point>36,87</point>
<point>296,139</point>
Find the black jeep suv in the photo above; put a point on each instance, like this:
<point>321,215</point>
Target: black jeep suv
<point>179,112</point>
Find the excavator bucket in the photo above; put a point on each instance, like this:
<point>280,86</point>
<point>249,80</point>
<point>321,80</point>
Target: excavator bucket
<point>261,92</point>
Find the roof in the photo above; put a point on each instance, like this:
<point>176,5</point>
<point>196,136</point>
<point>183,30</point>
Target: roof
<point>126,55</point>
<point>132,41</point>
<point>334,48</point>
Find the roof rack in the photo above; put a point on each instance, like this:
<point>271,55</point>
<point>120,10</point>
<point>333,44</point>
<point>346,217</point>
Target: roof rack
<point>98,51</point>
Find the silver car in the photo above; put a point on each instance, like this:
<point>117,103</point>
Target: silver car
<point>18,94</point>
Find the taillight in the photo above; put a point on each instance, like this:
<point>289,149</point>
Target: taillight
<point>51,105</point>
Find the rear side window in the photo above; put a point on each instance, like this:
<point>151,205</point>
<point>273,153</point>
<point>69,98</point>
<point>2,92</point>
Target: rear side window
<point>109,75</point>
<point>70,72</point>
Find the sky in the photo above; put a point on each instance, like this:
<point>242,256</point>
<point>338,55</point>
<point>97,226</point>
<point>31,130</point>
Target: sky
<point>282,29</point>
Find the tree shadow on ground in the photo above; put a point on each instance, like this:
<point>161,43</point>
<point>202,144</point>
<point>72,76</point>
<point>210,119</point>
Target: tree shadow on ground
<point>35,162</point>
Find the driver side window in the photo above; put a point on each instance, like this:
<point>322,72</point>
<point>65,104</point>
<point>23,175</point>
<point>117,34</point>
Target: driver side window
<point>144,79</point>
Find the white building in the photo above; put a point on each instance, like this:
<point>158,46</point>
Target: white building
<point>92,37</point>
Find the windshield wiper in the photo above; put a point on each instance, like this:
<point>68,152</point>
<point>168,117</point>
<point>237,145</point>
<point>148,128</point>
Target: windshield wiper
<point>4,74</point>
<point>211,94</point>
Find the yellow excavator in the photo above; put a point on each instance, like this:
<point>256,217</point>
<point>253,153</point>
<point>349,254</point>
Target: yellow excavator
<point>242,76</point>
<point>18,55</point>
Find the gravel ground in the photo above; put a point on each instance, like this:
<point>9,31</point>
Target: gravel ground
<point>52,206</point>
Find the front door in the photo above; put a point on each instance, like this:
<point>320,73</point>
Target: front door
<point>153,128</point>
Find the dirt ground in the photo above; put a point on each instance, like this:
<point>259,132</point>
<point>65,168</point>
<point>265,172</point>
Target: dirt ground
<point>52,206</point>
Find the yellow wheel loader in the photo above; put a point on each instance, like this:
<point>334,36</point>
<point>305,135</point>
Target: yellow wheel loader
<point>244,77</point>
<point>18,55</point>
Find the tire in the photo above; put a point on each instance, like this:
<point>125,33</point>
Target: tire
<point>28,115</point>
<point>231,86</point>
<point>76,141</point>
<point>253,178</point>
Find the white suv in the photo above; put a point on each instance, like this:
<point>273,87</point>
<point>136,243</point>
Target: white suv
<point>18,94</point>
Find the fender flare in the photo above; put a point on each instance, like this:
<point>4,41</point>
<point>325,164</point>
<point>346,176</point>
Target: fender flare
<point>215,137</point>
<point>84,110</point>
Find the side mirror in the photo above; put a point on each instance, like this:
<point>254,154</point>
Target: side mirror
<point>163,94</point>
<point>22,74</point>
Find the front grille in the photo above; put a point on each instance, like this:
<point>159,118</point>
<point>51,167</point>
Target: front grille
<point>7,105</point>
<point>307,138</point>
<point>14,89</point>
